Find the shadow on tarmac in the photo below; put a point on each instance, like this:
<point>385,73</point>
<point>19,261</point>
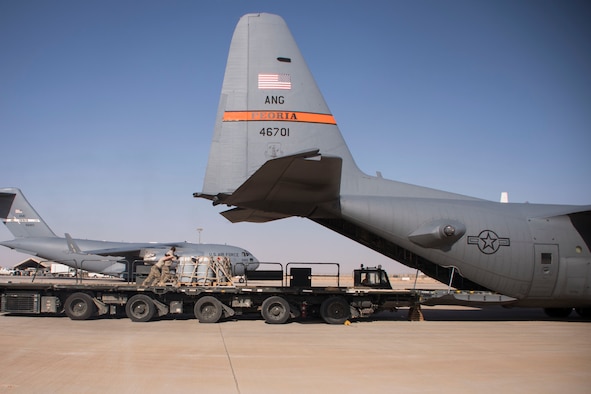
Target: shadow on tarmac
<point>430,314</point>
<point>492,313</point>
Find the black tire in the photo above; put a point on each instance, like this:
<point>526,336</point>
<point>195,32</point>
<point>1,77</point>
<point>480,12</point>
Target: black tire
<point>275,310</point>
<point>335,310</point>
<point>140,308</point>
<point>80,306</point>
<point>583,312</point>
<point>558,313</point>
<point>208,310</point>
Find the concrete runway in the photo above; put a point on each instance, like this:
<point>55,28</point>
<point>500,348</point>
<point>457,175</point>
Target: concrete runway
<point>455,349</point>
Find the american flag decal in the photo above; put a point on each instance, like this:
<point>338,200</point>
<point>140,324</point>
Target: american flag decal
<point>275,81</point>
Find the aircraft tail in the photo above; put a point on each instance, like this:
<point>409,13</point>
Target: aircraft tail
<point>272,120</point>
<point>276,149</point>
<point>20,217</point>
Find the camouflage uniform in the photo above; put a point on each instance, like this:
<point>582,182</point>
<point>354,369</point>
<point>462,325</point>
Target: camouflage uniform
<point>155,273</point>
<point>167,261</point>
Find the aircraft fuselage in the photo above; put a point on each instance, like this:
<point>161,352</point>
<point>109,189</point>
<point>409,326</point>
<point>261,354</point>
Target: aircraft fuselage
<point>528,251</point>
<point>56,249</point>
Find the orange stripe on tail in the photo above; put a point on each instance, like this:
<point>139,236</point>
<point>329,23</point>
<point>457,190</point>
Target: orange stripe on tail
<point>285,116</point>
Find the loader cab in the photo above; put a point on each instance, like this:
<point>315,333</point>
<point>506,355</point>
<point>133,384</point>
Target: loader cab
<point>371,277</point>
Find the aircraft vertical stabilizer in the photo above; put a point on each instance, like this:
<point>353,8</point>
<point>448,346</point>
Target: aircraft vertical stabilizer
<point>20,217</point>
<point>270,106</point>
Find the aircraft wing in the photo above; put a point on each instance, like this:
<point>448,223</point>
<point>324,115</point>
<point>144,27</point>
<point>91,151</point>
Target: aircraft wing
<point>133,249</point>
<point>293,185</point>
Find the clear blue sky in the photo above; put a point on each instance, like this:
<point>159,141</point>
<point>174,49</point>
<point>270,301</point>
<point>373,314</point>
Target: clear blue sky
<point>107,109</point>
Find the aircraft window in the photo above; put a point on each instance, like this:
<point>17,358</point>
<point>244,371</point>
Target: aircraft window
<point>546,258</point>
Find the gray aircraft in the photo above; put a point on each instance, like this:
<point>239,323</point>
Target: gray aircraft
<point>33,236</point>
<point>277,152</point>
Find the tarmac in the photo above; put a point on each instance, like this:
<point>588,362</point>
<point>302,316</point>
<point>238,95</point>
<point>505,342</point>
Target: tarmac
<point>455,349</point>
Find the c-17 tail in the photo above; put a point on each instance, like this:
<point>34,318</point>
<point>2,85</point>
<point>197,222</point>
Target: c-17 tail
<point>20,217</point>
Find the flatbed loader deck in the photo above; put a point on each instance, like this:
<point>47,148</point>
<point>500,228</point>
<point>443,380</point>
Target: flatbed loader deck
<point>278,299</point>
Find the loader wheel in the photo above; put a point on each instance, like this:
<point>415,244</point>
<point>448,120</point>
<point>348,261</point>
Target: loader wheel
<point>140,308</point>
<point>80,306</point>
<point>208,310</point>
<point>335,310</point>
<point>275,310</point>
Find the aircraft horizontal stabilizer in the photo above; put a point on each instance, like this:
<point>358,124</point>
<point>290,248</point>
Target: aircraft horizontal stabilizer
<point>293,185</point>
<point>237,215</point>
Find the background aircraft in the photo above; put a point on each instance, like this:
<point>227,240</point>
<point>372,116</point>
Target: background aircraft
<point>295,162</point>
<point>33,236</point>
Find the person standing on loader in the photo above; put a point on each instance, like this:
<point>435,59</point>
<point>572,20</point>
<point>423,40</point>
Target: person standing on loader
<point>156,271</point>
<point>168,258</point>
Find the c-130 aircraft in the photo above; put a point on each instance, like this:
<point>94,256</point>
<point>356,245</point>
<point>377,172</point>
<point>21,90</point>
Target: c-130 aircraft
<point>33,236</point>
<point>277,152</point>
